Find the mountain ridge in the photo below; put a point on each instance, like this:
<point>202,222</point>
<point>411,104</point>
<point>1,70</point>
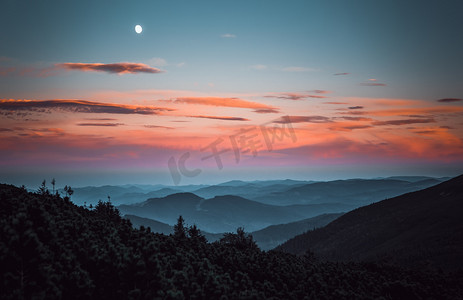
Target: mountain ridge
<point>416,228</point>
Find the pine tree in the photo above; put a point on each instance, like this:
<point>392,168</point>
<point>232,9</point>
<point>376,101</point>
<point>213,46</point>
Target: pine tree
<point>53,182</point>
<point>179,228</point>
<point>43,188</point>
<point>70,191</point>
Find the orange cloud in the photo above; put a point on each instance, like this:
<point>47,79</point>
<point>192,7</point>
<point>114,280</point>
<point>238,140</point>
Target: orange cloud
<point>81,106</point>
<point>266,111</point>
<point>304,119</point>
<point>408,111</point>
<point>118,68</point>
<point>100,124</point>
<point>225,102</point>
<point>391,146</point>
<point>356,118</point>
<point>349,126</point>
<point>335,103</point>
<point>221,118</point>
<point>404,122</point>
<point>158,126</point>
<point>352,127</point>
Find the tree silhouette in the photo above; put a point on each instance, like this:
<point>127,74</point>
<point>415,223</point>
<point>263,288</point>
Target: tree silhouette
<point>195,234</point>
<point>53,182</point>
<point>180,229</point>
<point>43,188</point>
<point>69,191</point>
<point>240,239</point>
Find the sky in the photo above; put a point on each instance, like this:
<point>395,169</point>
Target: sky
<point>211,91</point>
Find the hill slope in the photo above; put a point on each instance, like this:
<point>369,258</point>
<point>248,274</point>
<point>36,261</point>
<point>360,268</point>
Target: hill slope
<point>422,227</point>
<point>274,235</point>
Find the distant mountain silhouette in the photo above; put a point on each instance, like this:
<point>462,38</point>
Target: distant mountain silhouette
<point>91,194</point>
<point>274,192</point>
<point>417,229</point>
<point>267,238</point>
<point>126,194</point>
<point>286,182</point>
<point>356,192</point>
<point>417,178</point>
<point>247,190</point>
<point>225,213</point>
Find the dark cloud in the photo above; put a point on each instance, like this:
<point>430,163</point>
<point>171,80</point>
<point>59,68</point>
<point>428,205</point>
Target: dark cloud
<point>100,119</point>
<point>350,127</point>
<point>296,96</point>
<point>450,100</point>
<point>319,91</point>
<point>100,124</point>
<point>80,106</point>
<point>372,84</point>
<point>304,119</point>
<point>5,129</point>
<point>417,116</point>
<point>221,118</point>
<point>337,74</point>
<point>426,132</point>
<point>403,122</point>
<point>266,111</point>
<point>357,127</point>
<point>356,118</point>
<point>118,68</point>
<point>356,107</point>
<point>335,102</point>
<point>158,126</point>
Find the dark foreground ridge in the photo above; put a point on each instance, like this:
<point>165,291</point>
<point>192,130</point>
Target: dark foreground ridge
<point>53,249</point>
<point>420,229</point>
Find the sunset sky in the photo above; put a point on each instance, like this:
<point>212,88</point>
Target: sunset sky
<point>279,89</point>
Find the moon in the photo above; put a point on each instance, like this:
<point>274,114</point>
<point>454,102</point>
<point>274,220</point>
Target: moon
<point>138,29</point>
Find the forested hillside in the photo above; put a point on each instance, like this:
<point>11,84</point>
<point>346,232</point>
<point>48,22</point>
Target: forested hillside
<point>53,249</point>
<point>419,229</point>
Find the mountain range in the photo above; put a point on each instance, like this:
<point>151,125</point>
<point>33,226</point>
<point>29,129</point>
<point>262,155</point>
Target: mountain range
<point>267,238</point>
<point>226,213</point>
<point>420,229</point>
<point>276,192</point>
